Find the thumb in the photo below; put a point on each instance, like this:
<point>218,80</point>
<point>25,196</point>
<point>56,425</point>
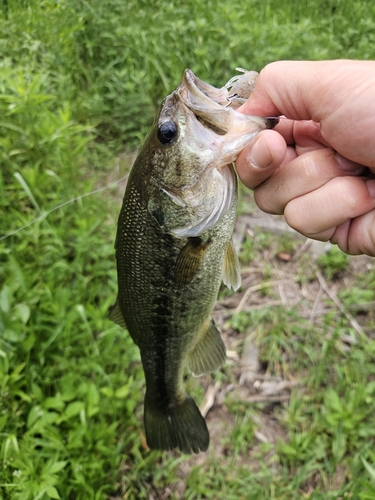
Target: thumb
<point>337,94</point>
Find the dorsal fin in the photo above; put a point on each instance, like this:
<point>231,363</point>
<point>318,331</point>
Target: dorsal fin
<point>116,316</point>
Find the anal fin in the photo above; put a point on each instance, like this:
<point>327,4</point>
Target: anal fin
<point>231,271</point>
<point>209,353</point>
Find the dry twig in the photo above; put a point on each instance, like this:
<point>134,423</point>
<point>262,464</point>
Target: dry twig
<point>357,327</point>
<point>209,398</point>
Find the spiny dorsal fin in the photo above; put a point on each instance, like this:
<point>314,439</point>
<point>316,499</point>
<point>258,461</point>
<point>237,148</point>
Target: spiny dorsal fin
<point>190,260</point>
<point>231,271</point>
<point>116,316</point>
<point>209,352</point>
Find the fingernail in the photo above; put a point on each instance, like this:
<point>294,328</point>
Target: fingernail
<point>348,165</point>
<point>260,156</point>
<point>371,187</point>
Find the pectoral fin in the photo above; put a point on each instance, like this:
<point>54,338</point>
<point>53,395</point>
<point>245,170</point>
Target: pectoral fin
<point>231,271</point>
<point>116,316</point>
<point>190,260</point>
<point>209,352</point>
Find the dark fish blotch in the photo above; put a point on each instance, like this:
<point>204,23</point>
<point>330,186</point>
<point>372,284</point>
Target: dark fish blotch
<point>158,216</point>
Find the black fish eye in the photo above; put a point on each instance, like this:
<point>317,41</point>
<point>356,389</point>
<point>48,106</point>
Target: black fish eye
<point>167,132</point>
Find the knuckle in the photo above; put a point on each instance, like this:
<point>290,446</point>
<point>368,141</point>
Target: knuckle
<point>352,192</point>
<point>265,202</point>
<point>295,218</point>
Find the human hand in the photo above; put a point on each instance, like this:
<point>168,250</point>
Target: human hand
<point>318,166</point>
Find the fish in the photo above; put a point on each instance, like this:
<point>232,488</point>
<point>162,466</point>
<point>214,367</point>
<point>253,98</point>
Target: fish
<point>174,248</point>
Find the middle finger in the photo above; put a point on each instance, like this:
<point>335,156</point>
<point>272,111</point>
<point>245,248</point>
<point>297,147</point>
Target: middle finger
<point>303,174</point>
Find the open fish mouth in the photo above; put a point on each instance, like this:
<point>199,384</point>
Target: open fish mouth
<point>210,106</point>
<point>194,187</point>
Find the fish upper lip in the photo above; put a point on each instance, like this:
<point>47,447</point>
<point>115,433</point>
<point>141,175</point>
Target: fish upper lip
<point>203,100</point>
<point>209,103</point>
<point>192,85</point>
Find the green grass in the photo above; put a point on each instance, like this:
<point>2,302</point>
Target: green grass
<point>80,82</point>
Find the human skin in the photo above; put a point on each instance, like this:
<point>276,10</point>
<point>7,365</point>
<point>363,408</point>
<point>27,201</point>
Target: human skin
<point>317,167</point>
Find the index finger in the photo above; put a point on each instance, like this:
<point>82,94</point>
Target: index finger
<point>303,134</point>
<point>300,90</point>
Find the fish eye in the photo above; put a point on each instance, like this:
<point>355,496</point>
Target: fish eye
<point>167,132</point>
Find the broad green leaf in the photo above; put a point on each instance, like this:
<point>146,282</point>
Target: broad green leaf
<point>5,299</point>
<point>73,409</point>
<point>57,466</point>
<point>52,492</point>
<point>370,469</point>
<point>122,392</point>
<point>23,312</point>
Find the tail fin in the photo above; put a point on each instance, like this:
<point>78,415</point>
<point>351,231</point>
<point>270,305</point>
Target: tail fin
<point>180,426</point>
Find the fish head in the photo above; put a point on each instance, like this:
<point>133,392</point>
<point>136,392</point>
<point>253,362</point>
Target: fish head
<point>194,140</point>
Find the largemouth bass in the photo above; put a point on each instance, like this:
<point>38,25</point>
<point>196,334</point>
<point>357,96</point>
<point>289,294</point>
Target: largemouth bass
<point>173,249</point>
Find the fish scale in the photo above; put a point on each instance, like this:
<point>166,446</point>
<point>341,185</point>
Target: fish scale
<point>173,249</point>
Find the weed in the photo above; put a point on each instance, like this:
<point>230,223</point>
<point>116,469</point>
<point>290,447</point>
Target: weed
<point>333,261</point>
